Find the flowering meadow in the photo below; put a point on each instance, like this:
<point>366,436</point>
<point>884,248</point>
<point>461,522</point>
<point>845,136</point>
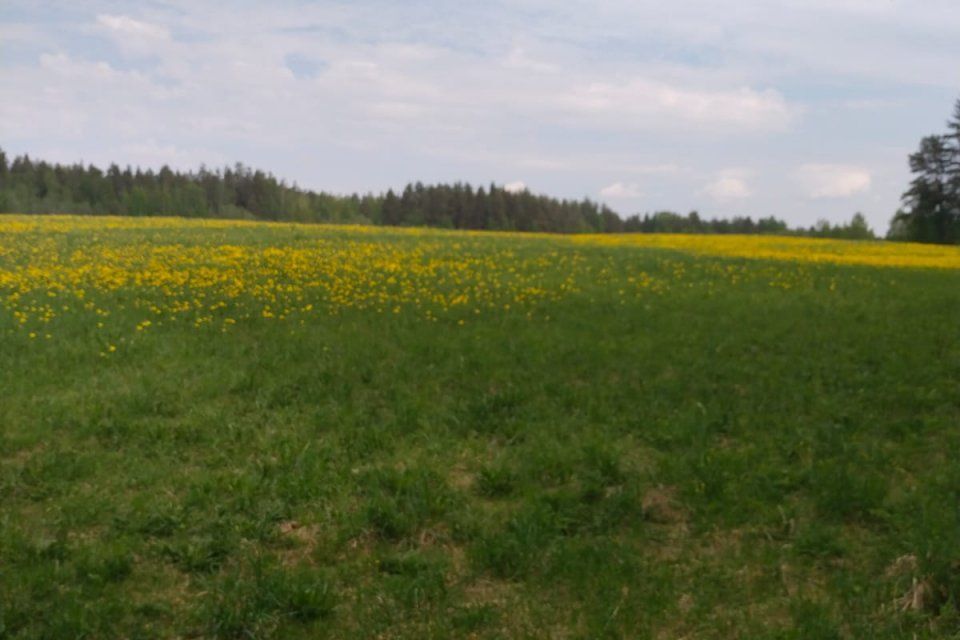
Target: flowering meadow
<point>234,429</point>
<point>102,271</point>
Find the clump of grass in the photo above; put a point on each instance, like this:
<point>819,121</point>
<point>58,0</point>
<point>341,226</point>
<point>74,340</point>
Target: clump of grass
<point>474,618</point>
<point>104,564</point>
<point>521,545</point>
<point>812,621</point>
<point>199,553</point>
<point>524,544</point>
<point>414,579</point>
<point>819,541</point>
<point>845,493</point>
<point>264,598</point>
<point>399,503</point>
<point>496,481</point>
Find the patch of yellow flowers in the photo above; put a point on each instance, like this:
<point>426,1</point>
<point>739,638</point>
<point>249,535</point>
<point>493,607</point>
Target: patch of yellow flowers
<point>145,272</point>
<point>218,273</point>
<point>792,249</point>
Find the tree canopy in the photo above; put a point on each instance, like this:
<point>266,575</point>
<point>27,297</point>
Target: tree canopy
<point>30,186</point>
<point>931,205</point>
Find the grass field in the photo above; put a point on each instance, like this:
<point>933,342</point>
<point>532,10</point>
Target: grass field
<point>237,430</point>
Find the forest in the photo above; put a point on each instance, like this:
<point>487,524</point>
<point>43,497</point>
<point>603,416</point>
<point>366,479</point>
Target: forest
<point>31,186</point>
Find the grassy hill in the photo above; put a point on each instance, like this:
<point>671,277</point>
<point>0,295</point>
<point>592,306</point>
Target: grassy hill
<point>236,430</point>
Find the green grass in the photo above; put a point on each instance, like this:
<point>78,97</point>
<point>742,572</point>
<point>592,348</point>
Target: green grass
<point>720,460</point>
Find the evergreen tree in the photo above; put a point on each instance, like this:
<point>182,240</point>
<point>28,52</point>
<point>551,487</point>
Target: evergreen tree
<point>391,211</point>
<point>931,210</point>
<point>27,186</point>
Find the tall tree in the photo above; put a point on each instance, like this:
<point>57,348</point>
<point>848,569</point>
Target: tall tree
<point>391,213</point>
<point>931,205</point>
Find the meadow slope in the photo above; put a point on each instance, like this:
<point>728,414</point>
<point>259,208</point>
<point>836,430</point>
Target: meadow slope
<point>242,430</point>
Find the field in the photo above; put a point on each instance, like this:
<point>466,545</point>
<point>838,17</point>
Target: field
<point>240,430</point>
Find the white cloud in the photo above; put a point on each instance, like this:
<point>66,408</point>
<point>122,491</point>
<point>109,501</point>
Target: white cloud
<point>130,28</point>
<point>621,190</point>
<point>153,154</point>
<point>832,180</point>
<point>397,110</point>
<point>515,187</point>
<point>665,168</point>
<point>519,59</point>
<point>731,184</point>
<point>646,103</point>
<point>135,38</point>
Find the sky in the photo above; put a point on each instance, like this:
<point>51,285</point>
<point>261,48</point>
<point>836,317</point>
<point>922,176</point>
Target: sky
<point>800,109</point>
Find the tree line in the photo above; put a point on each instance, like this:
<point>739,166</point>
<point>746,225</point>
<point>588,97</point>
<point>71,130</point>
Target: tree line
<point>931,205</point>
<point>670,222</point>
<point>29,186</point>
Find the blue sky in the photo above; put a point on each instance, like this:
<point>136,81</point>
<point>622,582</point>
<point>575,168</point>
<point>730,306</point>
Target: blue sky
<point>802,109</point>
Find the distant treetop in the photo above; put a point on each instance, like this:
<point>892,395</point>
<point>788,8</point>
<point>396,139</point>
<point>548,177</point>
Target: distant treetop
<point>28,186</point>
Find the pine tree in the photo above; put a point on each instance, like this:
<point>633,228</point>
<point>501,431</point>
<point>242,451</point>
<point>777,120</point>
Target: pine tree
<point>930,214</point>
<point>931,211</point>
<point>391,213</point>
